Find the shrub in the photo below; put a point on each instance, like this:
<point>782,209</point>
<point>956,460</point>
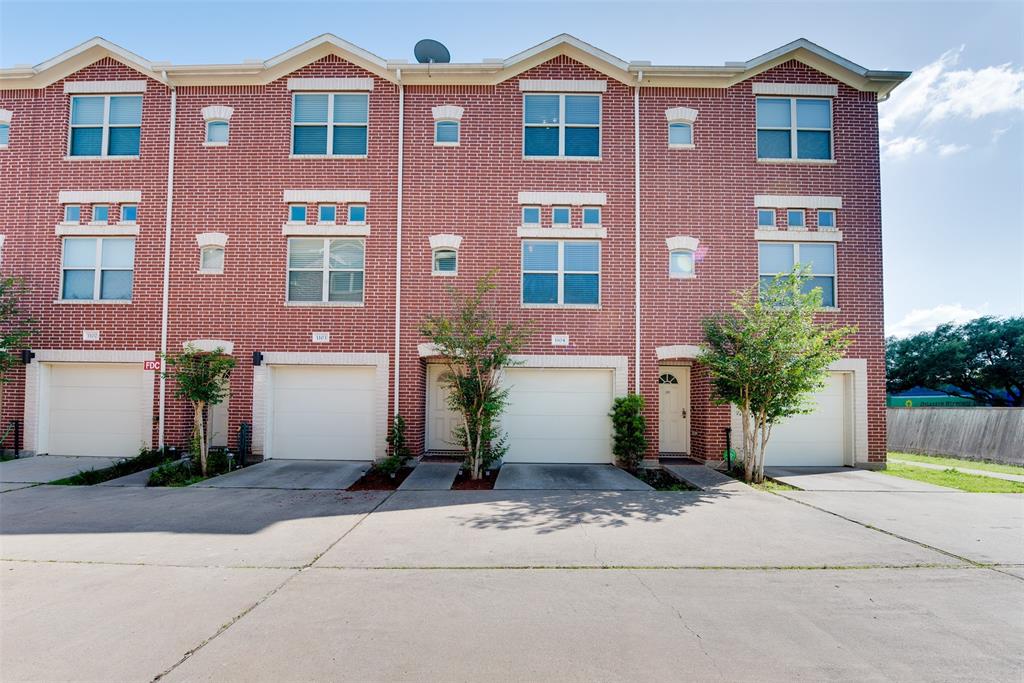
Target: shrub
<point>397,443</point>
<point>630,431</point>
<point>174,473</point>
<point>143,461</point>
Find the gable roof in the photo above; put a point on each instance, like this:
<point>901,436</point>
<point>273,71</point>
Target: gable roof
<point>76,59</point>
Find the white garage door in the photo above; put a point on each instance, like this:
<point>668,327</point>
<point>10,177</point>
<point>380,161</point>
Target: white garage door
<point>96,409</point>
<point>322,412</point>
<point>820,438</point>
<point>558,415</point>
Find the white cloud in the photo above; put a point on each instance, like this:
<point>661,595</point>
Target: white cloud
<point>901,148</point>
<point>999,132</point>
<point>922,319</point>
<point>951,149</point>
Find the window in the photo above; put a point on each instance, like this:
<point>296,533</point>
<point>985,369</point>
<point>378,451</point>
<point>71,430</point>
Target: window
<point>561,217</point>
<point>561,272</point>
<point>323,270</point>
<point>680,264</point>
<point>446,262</point>
<point>826,219</point>
<point>562,126</point>
<point>327,213</point>
<point>105,125</point>
<point>795,219</point>
<point>777,258</point>
<point>531,215</point>
<point>72,213</point>
<point>357,214</point>
<point>680,135</point>
<point>766,218</point>
<point>297,213</point>
<point>5,134</point>
<point>217,132</point>
<point>211,260</point>
<point>793,128</point>
<point>97,268</point>
<point>129,212</point>
<point>330,124</point>
<point>100,213</point>
<point>446,133</point>
<point>592,216</point>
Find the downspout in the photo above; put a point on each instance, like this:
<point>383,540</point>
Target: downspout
<point>398,234</point>
<point>636,233</point>
<point>167,259</point>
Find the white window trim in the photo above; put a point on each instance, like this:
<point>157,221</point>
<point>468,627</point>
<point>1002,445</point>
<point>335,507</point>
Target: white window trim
<point>327,270</point>
<point>211,240</point>
<point>561,225</point>
<point>682,243</point>
<point>569,198</point>
<point>803,220</point>
<point>319,214</point>
<point>66,220</point>
<point>5,120</point>
<point>795,245</point>
<point>206,133</point>
<point>793,129</point>
<point>305,214</point>
<point>433,262</point>
<point>797,235</point>
<point>835,220</point>
<point>97,274</point>
<point>775,219</point>
<point>692,275</point>
<point>458,133</point>
<point>562,233</point>
<point>600,217</point>
<point>94,221</point>
<point>331,84</point>
<point>561,279</point>
<point>211,271</point>
<point>105,125</point>
<point>120,214</point>
<point>562,125</point>
<point>787,201</point>
<point>522,216</point>
<point>680,145</point>
<point>797,89</point>
<point>348,215</point>
<point>330,124</point>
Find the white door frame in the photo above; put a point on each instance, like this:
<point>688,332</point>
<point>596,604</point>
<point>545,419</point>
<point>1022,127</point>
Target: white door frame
<point>678,371</point>
<point>427,371</point>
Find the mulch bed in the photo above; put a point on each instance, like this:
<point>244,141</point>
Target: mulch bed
<point>375,480</point>
<point>661,480</point>
<point>464,483</point>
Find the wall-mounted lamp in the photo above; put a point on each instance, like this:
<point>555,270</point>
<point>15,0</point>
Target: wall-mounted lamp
<point>26,356</point>
<point>257,358</point>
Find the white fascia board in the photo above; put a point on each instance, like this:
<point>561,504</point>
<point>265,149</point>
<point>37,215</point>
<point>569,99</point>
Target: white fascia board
<point>330,84</point>
<point>83,87</point>
<point>782,201</point>
<point>325,196</point>
<point>99,197</point>
<point>327,39</point>
<point>563,198</point>
<point>797,89</point>
<point>527,85</point>
<point>798,235</point>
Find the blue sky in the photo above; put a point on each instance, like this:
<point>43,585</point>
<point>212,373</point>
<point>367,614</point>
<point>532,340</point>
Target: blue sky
<point>952,137</point>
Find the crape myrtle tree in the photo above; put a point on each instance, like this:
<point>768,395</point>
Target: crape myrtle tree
<point>201,378</point>
<point>476,346</point>
<point>767,355</point>
<point>982,360</point>
<point>16,326</point>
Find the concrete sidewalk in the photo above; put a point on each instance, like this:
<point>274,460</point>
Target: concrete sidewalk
<point>431,476</point>
<point>965,470</point>
<point>847,479</point>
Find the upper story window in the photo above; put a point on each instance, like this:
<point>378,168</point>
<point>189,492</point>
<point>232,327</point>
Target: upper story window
<point>446,262</point>
<point>446,133</point>
<point>72,213</point>
<point>680,263</point>
<point>100,213</point>
<point>777,258</point>
<point>97,268</point>
<point>531,216</point>
<point>356,214</point>
<point>794,128</point>
<point>561,217</point>
<point>562,126</point>
<point>129,213</point>
<point>680,135</point>
<point>325,270</point>
<point>561,272</point>
<point>330,124</point>
<point>826,219</point>
<point>766,219</point>
<point>297,213</point>
<point>105,125</point>
<point>592,216</point>
<point>795,219</point>
<point>5,135</point>
<point>328,213</point>
<point>217,132</point>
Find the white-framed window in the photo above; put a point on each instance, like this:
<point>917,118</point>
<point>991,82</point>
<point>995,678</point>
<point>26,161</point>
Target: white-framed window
<point>100,214</point>
<point>680,135</point>
<point>561,272</point>
<point>777,258</point>
<point>680,263</point>
<point>592,217</point>
<point>105,125</point>
<point>794,128</point>
<point>826,219</point>
<point>357,214</point>
<point>561,217</point>
<point>795,219</point>
<point>327,213</point>
<point>5,135</point>
<point>766,219</point>
<point>129,213</point>
<point>325,270</point>
<point>296,213</point>
<point>562,126</point>
<point>330,124</point>
<point>72,213</point>
<point>531,216</point>
<point>211,260</point>
<point>217,132</point>
<point>446,262</point>
<point>447,133</point>
<point>97,268</point>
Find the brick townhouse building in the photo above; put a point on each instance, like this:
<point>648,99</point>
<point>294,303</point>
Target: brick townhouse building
<point>305,214</point>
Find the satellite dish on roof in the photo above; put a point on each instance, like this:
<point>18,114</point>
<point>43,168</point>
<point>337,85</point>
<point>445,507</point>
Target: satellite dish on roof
<point>429,51</point>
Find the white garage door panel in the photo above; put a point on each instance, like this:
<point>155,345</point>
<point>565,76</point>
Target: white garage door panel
<point>558,415</point>
<point>96,409</point>
<point>818,438</point>
<point>323,412</point>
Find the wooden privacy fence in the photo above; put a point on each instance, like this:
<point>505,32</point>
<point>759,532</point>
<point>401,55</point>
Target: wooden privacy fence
<point>995,434</point>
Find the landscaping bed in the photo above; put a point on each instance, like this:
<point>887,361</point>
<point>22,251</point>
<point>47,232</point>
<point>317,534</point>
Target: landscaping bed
<point>767,485</point>
<point>145,460</point>
<point>464,483</point>
<point>953,478</point>
<point>379,480</point>
<point>661,480</point>
<point>185,471</point>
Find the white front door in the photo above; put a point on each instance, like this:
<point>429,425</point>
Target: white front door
<point>818,438</point>
<point>674,410</point>
<point>441,419</point>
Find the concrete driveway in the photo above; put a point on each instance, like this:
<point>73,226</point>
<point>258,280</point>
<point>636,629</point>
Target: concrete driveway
<point>292,474</point>
<point>41,469</point>
<point>847,479</point>
<point>538,477</point>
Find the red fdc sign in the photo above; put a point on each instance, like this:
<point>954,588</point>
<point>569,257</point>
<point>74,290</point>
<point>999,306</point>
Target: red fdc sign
<point>151,364</point>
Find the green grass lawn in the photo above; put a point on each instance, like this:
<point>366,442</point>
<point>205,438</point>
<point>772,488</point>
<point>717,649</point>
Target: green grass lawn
<point>973,483</point>
<point>959,463</point>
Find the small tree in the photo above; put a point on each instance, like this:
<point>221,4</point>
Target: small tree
<point>475,347</point>
<point>201,377</point>
<point>15,324</point>
<point>767,356</point>
<point>630,431</point>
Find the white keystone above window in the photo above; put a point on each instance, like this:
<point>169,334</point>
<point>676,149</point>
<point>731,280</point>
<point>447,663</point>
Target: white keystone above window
<point>217,112</point>
<point>564,198</point>
<point>447,112</point>
<point>681,115</point>
<point>682,242</point>
<point>211,239</point>
<point>445,241</point>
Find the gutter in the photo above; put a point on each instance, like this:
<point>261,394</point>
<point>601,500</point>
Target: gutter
<point>398,235</point>
<point>636,232</point>
<point>167,260</point>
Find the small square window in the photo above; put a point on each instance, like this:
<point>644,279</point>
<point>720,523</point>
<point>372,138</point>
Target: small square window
<point>766,218</point>
<point>826,219</point>
<point>297,213</point>
<point>211,260</point>
<point>100,213</point>
<point>531,215</point>
<point>560,217</point>
<point>328,212</point>
<point>446,133</point>
<point>72,213</point>
<point>592,216</point>
<point>680,135</point>
<point>680,264</point>
<point>129,212</point>
<point>217,132</point>
<point>795,219</point>
<point>357,214</point>
<point>446,262</point>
